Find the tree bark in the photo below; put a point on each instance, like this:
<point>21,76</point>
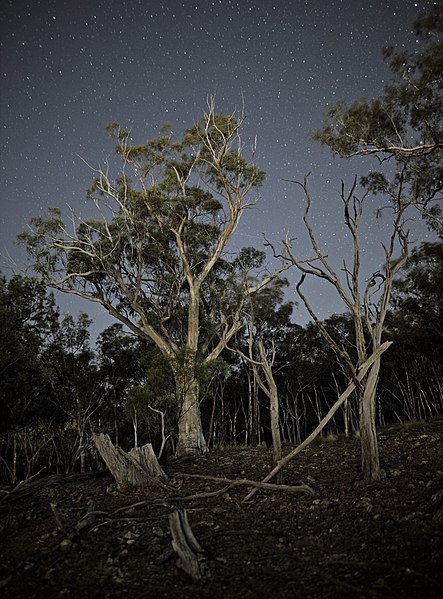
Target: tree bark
<point>139,468</point>
<point>191,440</point>
<point>370,460</point>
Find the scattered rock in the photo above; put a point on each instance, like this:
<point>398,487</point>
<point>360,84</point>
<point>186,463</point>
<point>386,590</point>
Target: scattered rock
<point>66,545</point>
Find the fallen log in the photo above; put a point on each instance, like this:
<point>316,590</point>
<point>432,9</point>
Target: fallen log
<point>235,482</point>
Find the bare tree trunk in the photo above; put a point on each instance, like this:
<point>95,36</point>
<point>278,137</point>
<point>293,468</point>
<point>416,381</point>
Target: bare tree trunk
<point>375,357</point>
<point>254,411</point>
<point>81,444</point>
<point>135,427</point>
<point>190,431</point>
<point>275,423</point>
<point>370,460</point>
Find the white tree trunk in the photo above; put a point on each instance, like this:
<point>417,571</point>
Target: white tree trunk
<point>370,460</point>
<point>191,440</point>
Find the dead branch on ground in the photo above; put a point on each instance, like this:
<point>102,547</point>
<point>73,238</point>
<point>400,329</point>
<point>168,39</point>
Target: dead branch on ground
<point>303,488</point>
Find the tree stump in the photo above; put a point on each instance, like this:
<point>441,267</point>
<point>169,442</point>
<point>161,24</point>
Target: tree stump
<point>191,557</point>
<point>139,468</point>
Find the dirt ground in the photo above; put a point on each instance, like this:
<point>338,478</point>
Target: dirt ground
<point>347,540</point>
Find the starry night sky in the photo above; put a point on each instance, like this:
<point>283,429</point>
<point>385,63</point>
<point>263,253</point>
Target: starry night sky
<point>68,68</point>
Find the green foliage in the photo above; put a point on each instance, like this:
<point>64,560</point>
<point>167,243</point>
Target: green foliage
<point>27,317</point>
<point>159,223</point>
<point>403,126</point>
<point>418,295</point>
<point>411,380</point>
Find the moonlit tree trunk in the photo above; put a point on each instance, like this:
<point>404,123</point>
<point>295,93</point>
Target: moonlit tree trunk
<point>270,389</point>
<point>135,427</point>
<point>162,227</point>
<point>191,440</point>
<point>368,306</point>
<point>370,461</point>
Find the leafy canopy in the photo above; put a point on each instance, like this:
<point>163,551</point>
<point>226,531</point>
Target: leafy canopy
<point>161,230</point>
<point>404,126</point>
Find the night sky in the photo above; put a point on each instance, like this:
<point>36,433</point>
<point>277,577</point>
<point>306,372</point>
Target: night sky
<point>68,68</point>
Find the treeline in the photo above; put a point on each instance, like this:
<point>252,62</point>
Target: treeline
<point>56,389</point>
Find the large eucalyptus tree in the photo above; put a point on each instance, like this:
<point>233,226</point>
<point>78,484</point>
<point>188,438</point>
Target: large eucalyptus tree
<point>155,251</point>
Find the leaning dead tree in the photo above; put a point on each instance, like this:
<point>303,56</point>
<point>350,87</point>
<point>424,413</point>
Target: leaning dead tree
<point>368,304</point>
<point>139,468</point>
<point>363,370</point>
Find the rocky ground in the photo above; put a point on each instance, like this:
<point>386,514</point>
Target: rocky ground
<point>347,540</point>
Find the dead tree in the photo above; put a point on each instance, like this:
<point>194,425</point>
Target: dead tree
<point>340,401</point>
<point>368,306</point>
<point>139,468</point>
<point>191,557</point>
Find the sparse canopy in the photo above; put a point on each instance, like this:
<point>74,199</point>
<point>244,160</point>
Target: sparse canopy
<point>404,124</point>
<point>154,255</point>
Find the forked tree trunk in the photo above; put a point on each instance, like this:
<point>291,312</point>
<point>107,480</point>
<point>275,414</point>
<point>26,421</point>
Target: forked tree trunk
<point>191,440</point>
<point>138,468</point>
<point>370,461</point>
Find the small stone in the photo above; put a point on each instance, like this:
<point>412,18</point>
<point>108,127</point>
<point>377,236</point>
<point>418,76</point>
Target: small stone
<point>49,573</point>
<point>66,544</point>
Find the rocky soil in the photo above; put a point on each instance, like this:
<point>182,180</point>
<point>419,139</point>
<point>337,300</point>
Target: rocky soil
<point>80,537</point>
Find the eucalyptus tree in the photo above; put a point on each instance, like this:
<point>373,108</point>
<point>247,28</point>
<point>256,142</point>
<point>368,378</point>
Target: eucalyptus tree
<point>418,293</point>
<point>412,380</point>
<point>265,317</point>
<point>122,365</point>
<point>76,391</point>
<point>161,231</point>
<point>402,129</point>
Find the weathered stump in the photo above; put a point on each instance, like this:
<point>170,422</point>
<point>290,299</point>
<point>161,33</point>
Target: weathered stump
<point>139,468</point>
<point>191,557</point>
